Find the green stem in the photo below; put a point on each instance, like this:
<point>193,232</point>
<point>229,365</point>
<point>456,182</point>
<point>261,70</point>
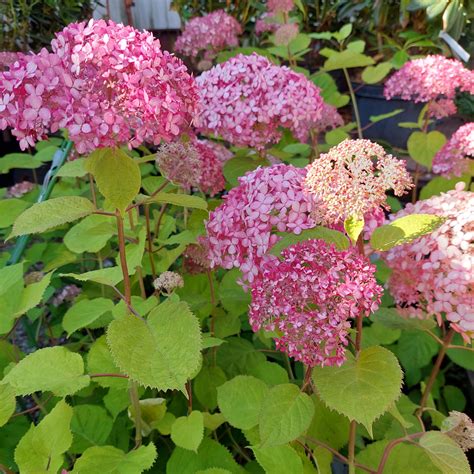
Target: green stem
<point>135,399</point>
<point>354,103</point>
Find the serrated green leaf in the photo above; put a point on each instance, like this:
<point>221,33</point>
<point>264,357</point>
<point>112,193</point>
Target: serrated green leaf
<point>100,361</point>
<point>232,296</point>
<point>18,160</point>
<point>52,213</point>
<point>85,312</point>
<point>105,276</point>
<point>422,147</point>
<point>10,209</point>
<point>162,352</point>
<point>117,176</point>
<point>328,235</point>
<point>235,356</point>
<point>240,400</point>
<point>415,349</point>
<point>73,169</point>
<point>279,459</point>
<point>404,230</point>
<point>353,226</point>
<point>7,403</point>
<point>390,318</point>
<point>53,369</point>
<point>11,291</point>
<point>347,59</point>
<point>183,200</point>
<point>90,235</point>
<point>285,414</point>
<point>238,166</point>
<point>444,453</point>
<point>270,372</point>
<point>210,454</point>
<point>188,431</point>
<point>374,74</point>
<point>91,426</point>
<point>41,449</point>
<point>110,460</point>
<point>206,384</point>
<point>361,389</point>
<point>214,470</point>
<point>32,295</point>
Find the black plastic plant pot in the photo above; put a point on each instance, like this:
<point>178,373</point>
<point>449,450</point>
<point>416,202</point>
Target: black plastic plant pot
<point>371,102</point>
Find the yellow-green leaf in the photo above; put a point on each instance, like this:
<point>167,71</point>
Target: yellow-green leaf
<point>422,147</point>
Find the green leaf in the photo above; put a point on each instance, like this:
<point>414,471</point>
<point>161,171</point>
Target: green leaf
<point>105,276</point>
<point>183,200</point>
<point>440,185</point>
<point>240,400</point>
<point>152,413</point>
<point>18,160</point>
<point>422,147</point>
<point>415,349</point>
<point>374,74</point>
<point>299,43</point>
<point>7,403</point>
<point>238,166</point>
<point>285,414</point>
<point>10,209</point>
<point>454,397</point>
<point>206,384</point>
<point>236,356</point>
<point>117,176</point>
<point>32,295</point>
<point>85,312</point>
<point>356,46</point>
<point>344,32</point>
<point>461,357</point>
<point>279,459</point>
<point>53,369</point>
<point>110,460</point>
<point>52,213</point>
<point>188,431</point>
<point>100,361</point>
<point>232,296</point>
<point>270,372</point>
<point>328,235</point>
<point>361,389</point>
<point>91,426</point>
<point>444,453</point>
<point>347,59</point>
<point>41,449</point>
<point>353,226</point>
<point>390,318</point>
<point>404,230</point>
<point>73,169</point>
<point>162,352</point>
<point>210,454</point>
<point>378,118</point>
<point>90,235</point>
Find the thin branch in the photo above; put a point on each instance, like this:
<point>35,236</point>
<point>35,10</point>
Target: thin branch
<point>122,376</point>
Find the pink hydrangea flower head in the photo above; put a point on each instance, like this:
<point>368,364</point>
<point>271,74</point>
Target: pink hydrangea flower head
<point>208,35</point>
<point>125,88</point>
<point>266,23</point>
<point>19,189</point>
<point>7,58</point>
<point>431,79</point>
<point>434,274</point>
<point>286,33</point>
<point>191,164</point>
<point>352,179</point>
<point>280,6</point>
<point>222,153</point>
<point>308,298</point>
<point>330,118</point>
<point>34,97</point>
<point>455,157</point>
<point>196,256</point>
<point>243,228</point>
<point>247,100</point>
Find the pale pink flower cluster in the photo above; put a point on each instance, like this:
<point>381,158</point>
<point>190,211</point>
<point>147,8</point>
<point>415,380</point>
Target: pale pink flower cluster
<point>7,58</point>
<point>431,79</point>
<point>247,100</point>
<point>35,97</point>
<point>196,256</point>
<point>309,297</point>
<point>330,118</point>
<point>191,164</point>
<point>243,228</point>
<point>456,156</point>
<point>286,33</point>
<point>19,189</point>
<point>208,35</point>
<point>352,179</point>
<point>280,6</point>
<point>124,87</point>
<point>266,23</point>
<point>222,153</point>
<point>435,273</point>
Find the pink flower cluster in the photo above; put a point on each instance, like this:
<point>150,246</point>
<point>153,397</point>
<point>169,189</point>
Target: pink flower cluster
<point>435,273</point>
<point>35,97</point>
<point>242,229</point>
<point>286,33</point>
<point>431,79</point>
<point>107,84</point>
<point>347,182</point>
<point>455,158</point>
<point>19,189</point>
<point>266,23</point>
<point>191,164</point>
<point>196,256</point>
<point>309,297</point>
<point>280,6</point>
<point>330,118</point>
<point>248,99</point>
<point>7,58</point>
<point>209,34</point>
